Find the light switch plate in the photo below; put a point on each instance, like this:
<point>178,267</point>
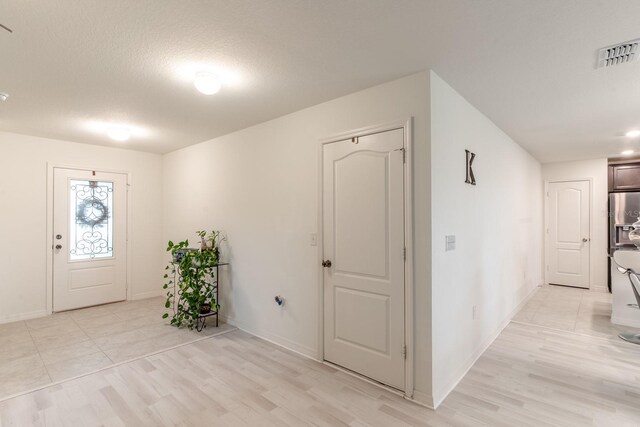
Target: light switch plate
<point>450,243</point>
<point>313,239</point>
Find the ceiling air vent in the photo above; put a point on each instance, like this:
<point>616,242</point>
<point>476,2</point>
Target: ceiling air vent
<point>618,54</point>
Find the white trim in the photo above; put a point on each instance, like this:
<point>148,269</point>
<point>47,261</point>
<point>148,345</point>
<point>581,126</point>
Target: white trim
<point>409,317</point>
<point>145,295</point>
<point>367,130</point>
<point>437,400</point>
<point>49,227</point>
<point>23,316</point>
<point>422,399</point>
<point>546,226</point>
<point>275,339</point>
<point>409,320</point>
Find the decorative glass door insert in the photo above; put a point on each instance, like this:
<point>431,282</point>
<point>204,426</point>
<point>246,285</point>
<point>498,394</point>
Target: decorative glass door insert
<point>90,220</point>
<point>89,239</point>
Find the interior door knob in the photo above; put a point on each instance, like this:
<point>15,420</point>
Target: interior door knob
<point>584,240</point>
<point>58,247</point>
<point>326,263</point>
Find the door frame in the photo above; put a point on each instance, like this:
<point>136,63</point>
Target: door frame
<point>407,126</point>
<point>49,227</point>
<point>545,231</point>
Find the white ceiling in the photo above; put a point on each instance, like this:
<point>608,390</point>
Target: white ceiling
<point>529,65</point>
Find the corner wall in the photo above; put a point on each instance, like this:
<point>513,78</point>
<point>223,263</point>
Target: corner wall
<point>23,217</point>
<point>260,185</point>
<point>596,170</point>
<point>497,262</point>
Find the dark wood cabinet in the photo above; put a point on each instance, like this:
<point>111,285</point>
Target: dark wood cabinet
<point>624,177</point>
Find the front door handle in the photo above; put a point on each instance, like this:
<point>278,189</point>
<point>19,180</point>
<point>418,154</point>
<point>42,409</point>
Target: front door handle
<point>58,247</point>
<point>326,263</point>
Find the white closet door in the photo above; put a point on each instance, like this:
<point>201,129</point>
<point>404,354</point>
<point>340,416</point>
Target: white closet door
<point>363,225</point>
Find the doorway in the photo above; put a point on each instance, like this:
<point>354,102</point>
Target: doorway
<point>89,238</point>
<point>364,255</point>
<point>568,237</point>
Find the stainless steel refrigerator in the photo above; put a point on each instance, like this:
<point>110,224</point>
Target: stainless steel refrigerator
<point>624,210</point>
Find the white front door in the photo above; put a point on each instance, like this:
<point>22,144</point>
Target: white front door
<point>568,237</point>
<point>89,238</point>
<point>363,237</point>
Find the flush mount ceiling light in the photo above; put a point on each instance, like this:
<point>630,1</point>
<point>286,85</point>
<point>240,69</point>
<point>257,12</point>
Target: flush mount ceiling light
<point>627,152</point>
<point>119,133</point>
<point>207,83</point>
<point>632,133</point>
<point>3,96</point>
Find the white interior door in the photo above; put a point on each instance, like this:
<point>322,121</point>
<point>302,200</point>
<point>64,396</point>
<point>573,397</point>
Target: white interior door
<point>363,237</point>
<point>89,238</point>
<point>568,237</point>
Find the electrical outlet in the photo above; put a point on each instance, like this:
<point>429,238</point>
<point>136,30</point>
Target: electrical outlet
<point>313,239</point>
<point>475,312</point>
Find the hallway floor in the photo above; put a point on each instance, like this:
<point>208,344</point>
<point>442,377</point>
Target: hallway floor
<point>571,309</point>
<point>37,352</point>
<point>531,375</point>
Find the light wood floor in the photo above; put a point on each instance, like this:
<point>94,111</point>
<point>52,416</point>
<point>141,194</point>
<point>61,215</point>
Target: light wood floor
<point>530,376</point>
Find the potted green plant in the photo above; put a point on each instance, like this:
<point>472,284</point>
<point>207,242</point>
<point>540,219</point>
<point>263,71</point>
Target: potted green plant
<point>193,293</point>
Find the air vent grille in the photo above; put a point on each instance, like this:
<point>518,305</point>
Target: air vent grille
<point>618,54</point>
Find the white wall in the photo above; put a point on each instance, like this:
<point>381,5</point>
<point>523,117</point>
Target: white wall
<point>596,170</point>
<point>498,226</point>
<point>260,185</point>
<point>23,217</point>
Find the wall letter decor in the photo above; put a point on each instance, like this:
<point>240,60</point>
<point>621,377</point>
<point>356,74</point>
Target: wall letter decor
<point>471,179</point>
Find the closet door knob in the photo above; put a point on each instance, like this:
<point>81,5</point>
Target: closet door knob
<point>326,263</point>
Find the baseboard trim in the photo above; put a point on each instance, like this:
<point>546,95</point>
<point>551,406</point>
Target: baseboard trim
<point>23,316</point>
<point>437,400</point>
<point>148,294</point>
<point>280,341</point>
<point>422,399</point>
<point>623,321</point>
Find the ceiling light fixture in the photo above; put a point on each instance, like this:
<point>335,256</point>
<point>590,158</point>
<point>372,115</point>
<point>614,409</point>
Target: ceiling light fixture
<point>207,83</point>
<point>632,133</point>
<point>119,133</point>
<point>3,96</point>
<point>627,152</point>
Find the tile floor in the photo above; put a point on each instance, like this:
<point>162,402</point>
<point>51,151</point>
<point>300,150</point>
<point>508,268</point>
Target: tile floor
<point>571,309</point>
<point>37,352</point>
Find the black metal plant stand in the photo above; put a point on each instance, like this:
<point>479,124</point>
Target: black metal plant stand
<point>201,323</point>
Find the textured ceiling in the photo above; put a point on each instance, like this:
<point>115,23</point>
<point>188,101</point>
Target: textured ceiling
<point>72,65</point>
